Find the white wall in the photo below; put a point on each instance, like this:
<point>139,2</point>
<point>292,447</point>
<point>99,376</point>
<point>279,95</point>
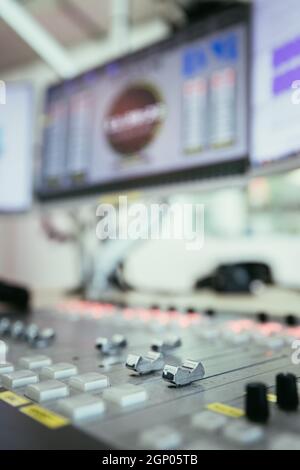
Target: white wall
<point>27,256</point>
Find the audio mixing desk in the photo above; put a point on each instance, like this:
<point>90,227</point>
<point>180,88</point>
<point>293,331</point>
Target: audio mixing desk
<point>89,375</point>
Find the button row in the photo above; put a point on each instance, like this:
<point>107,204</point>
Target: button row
<point>84,382</point>
<point>76,407</point>
<point>239,433</point>
<point>53,389</point>
<point>86,406</point>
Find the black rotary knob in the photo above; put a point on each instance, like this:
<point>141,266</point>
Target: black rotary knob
<point>291,320</point>
<point>262,317</point>
<point>257,406</point>
<point>210,312</point>
<point>287,392</point>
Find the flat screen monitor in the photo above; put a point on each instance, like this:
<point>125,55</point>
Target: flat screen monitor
<point>276,82</point>
<point>16,147</point>
<point>176,111</point>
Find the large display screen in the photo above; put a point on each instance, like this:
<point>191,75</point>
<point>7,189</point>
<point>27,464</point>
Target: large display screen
<point>276,80</point>
<point>16,147</point>
<point>169,111</point>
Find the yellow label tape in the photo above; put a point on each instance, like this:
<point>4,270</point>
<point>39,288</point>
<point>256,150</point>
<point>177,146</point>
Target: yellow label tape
<point>226,410</point>
<point>113,198</point>
<point>14,400</point>
<point>272,398</point>
<point>46,417</point>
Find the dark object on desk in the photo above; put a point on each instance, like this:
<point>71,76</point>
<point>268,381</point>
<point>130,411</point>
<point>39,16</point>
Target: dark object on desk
<point>117,279</point>
<point>237,278</point>
<point>16,296</point>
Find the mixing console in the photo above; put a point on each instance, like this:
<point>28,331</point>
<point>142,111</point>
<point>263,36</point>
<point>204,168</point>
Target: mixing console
<point>88,375</point>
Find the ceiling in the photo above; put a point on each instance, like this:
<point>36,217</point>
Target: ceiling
<point>74,22</point>
<point>71,22</point>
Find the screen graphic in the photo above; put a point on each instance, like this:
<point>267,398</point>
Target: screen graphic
<point>134,119</point>
<point>177,107</point>
<point>276,103</point>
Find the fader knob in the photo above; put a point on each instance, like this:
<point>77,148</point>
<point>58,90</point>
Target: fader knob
<point>257,407</point>
<point>287,392</point>
<point>31,332</point>
<point>17,329</point>
<point>5,325</point>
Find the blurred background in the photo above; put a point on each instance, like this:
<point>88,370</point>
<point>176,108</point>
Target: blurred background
<point>253,217</point>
